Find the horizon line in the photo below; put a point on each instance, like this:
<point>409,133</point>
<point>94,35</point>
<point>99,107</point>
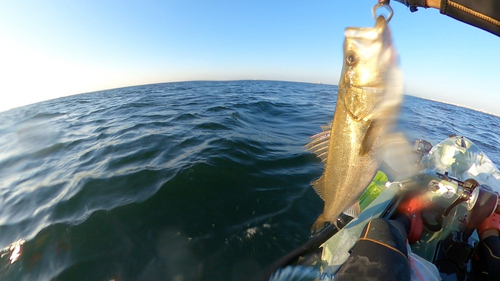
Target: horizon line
<point>235,80</point>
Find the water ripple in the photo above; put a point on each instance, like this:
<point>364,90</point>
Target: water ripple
<point>206,180</point>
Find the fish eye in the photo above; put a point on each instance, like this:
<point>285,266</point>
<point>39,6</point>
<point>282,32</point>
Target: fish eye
<point>351,59</point>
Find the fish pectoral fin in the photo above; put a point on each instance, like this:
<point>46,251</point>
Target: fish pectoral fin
<point>371,136</point>
<point>353,211</point>
<point>318,186</point>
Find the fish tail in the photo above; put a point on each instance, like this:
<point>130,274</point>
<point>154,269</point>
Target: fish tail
<point>319,224</point>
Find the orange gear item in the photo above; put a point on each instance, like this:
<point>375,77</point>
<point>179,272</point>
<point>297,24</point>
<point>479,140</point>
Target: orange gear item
<point>490,222</point>
<point>413,207</point>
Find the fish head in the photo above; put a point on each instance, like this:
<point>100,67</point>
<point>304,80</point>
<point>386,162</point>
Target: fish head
<point>370,70</point>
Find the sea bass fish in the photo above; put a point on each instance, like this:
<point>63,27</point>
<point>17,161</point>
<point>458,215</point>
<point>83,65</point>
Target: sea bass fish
<point>368,101</point>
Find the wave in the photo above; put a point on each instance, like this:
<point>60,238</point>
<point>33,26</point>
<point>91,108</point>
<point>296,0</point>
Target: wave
<point>207,180</point>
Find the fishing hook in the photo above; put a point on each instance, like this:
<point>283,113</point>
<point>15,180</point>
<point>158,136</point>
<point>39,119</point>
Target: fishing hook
<point>385,4</point>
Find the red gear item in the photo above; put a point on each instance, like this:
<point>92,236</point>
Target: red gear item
<point>413,207</point>
<point>490,222</point>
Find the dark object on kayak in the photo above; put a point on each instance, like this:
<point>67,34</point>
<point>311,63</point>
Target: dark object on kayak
<point>459,186</point>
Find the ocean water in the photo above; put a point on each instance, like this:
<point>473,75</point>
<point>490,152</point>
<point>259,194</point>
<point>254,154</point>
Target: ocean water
<point>176,181</point>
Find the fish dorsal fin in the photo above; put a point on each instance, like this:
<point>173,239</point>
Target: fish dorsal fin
<point>328,127</point>
<point>319,146</point>
<point>319,143</point>
<point>354,210</point>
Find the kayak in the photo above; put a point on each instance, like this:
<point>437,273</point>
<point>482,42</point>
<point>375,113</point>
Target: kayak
<point>460,186</point>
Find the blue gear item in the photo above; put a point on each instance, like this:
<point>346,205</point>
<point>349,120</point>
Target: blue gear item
<point>300,273</point>
<point>413,4</point>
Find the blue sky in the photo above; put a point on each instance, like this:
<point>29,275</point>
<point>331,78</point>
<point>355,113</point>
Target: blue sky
<point>50,49</point>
